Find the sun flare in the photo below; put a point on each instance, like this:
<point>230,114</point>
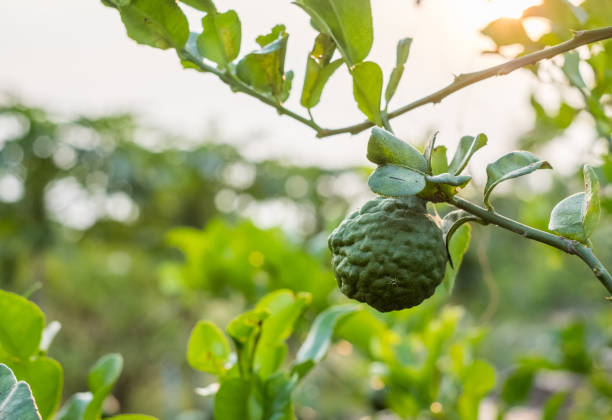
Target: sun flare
<point>509,8</point>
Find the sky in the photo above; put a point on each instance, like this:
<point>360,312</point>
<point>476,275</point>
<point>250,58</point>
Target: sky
<point>74,57</point>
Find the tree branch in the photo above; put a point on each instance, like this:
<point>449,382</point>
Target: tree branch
<point>463,80</point>
<point>566,245</point>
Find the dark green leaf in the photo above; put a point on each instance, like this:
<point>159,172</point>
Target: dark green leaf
<point>265,69</point>
<point>468,145</point>
<point>158,23</point>
<point>456,247</point>
<point>314,349</point>
<point>220,41</point>
<point>16,401</point>
<point>450,223</point>
<point>510,166</point>
<point>396,181</point>
<point>403,50</point>
<point>348,22</point>
<point>208,349</point>
<point>367,88</point>
<point>517,386</point>
<point>384,148</point>
<point>21,325</point>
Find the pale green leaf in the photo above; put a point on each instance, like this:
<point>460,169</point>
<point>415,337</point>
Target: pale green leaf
<point>348,22</point>
<point>367,88</point>
<point>74,408</point>
<point>204,5</point>
<point>16,400</point>
<point>439,161</point>
<point>429,148</point>
<point>21,325</point>
<point>220,40</point>
<point>448,179</point>
<point>318,70</point>
<point>571,69</point>
<point>478,378</point>
<point>384,148</point>
<point>456,246</point>
<point>511,165</point>
<point>403,50</point>
<point>566,217</point>
<point>592,208</point>
<point>315,347</point>
<point>208,349</point>
<point>102,377</point>
<point>396,181</point>
<point>468,145</point>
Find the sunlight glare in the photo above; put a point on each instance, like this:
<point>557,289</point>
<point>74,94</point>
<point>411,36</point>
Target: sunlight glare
<point>509,8</point>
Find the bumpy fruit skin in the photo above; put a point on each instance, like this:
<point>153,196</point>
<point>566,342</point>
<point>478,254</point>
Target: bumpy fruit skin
<point>389,254</point>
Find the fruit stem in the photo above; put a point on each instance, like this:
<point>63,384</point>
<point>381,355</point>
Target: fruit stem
<point>564,244</point>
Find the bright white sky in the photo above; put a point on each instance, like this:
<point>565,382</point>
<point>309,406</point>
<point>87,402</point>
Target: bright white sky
<point>73,56</point>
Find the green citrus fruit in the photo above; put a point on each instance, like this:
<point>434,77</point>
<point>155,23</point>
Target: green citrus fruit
<point>389,254</point>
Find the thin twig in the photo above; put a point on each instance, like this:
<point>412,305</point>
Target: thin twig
<point>580,38</point>
<point>566,245</point>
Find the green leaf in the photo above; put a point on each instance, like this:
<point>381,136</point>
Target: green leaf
<point>450,223</point>
<point>318,70</point>
<point>264,69</point>
<point>403,50</point>
<point>592,207</point>
<point>220,40</point>
<point>510,166</point>
<point>468,145</point>
<point>276,32</point>
<point>21,325</point>
<point>429,148</point>
<point>517,386</point>
<point>571,69</point>
<point>157,23</point>
<point>244,325</point>
<point>384,148</point>
<point>45,377</point>
<point>439,162</point>
<point>208,349</point>
<point>315,347</point>
<point>204,5</point>
<point>102,377</point>
<point>576,216</point>
<point>16,400</point>
<point>456,246</point>
<point>278,389</point>
<point>507,31</point>
<point>448,179</point>
<point>396,181</point>
<point>348,22</point>
<point>231,400</point>
<point>553,405</point>
<point>270,351</point>
<point>74,408</point>
<point>367,88</point>
<point>478,378</point>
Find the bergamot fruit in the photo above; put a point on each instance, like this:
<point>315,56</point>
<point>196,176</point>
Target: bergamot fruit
<point>389,254</point>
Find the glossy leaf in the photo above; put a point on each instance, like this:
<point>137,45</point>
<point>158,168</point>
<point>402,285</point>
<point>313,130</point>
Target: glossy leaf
<point>396,181</point>
<point>576,216</point>
<point>45,377</point>
<point>21,326</point>
<point>403,50</point>
<point>367,88</point>
<point>208,349</point>
<point>264,69</point>
<point>318,70</point>
<point>16,400</point>
<point>157,23</point>
<point>510,166</point>
<point>348,22</point>
<point>468,145</point>
<point>74,408</point>
<point>220,40</point>
<point>231,400</point>
<point>384,148</point>
<point>315,347</point>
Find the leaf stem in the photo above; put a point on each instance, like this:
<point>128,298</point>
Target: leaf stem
<point>564,244</point>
